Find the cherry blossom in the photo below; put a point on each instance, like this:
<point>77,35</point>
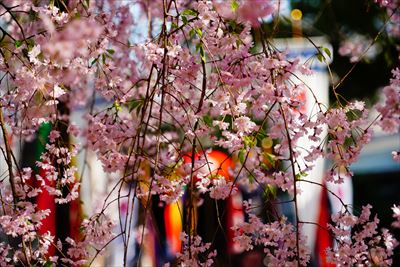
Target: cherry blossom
<point>396,216</point>
<point>191,252</point>
<point>363,245</point>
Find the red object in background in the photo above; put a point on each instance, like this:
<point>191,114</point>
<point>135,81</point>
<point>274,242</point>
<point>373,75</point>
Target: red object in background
<point>46,201</point>
<point>49,224</point>
<point>216,161</point>
<point>234,215</point>
<point>222,163</point>
<point>323,238</point>
<point>173,226</point>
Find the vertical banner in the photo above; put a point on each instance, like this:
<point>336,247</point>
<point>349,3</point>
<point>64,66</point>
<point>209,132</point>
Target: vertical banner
<point>309,201</point>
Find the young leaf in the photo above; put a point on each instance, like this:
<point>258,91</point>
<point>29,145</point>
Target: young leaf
<point>327,51</point>
<point>320,57</point>
<point>18,43</point>
<point>191,33</point>
<point>135,103</point>
<point>117,106</point>
<point>184,20</point>
<point>189,12</point>
<point>94,61</point>
<point>199,32</point>
<point>242,155</point>
<point>208,120</point>
<point>202,54</point>
<point>234,5</point>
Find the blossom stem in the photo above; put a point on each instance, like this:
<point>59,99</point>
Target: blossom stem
<point>8,158</point>
<point>294,183</point>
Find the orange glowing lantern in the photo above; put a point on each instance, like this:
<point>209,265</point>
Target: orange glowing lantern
<point>217,163</point>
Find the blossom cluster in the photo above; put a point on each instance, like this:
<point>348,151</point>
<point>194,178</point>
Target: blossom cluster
<point>195,254</point>
<point>280,240</point>
<point>393,13</point>
<point>358,240</point>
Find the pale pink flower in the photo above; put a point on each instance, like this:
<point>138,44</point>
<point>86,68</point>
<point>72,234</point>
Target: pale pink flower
<point>244,125</point>
<point>54,134</point>
<point>396,216</point>
<point>33,54</point>
<point>221,189</point>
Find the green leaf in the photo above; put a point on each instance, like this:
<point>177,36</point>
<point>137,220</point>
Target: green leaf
<point>199,32</point>
<point>354,114</point>
<point>238,42</point>
<point>270,192</point>
<point>18,43</point>
<point>189,12</point>
<point>304,174</point>
<point>111,51</point>
<point>117,106</point>
<point>198,46</point>
<point>234,5</point>
<point>192,32</point>
<point>348,141</point>
<point>300,174</point>
<point>234,27</point>
<point>184,20</point>
<point>251,178</point>
<point>242,155</point>
<point>103,58</point>
<point>249,141</point>
<point>208,120</point>
<point>202,54</point>
<point>135,104</point>
<point>327,51</point>
<point>94,61</point>
<point>265,166</point>
<point>320,57</point>
<point>31,43</point>
<point>260,136</point>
